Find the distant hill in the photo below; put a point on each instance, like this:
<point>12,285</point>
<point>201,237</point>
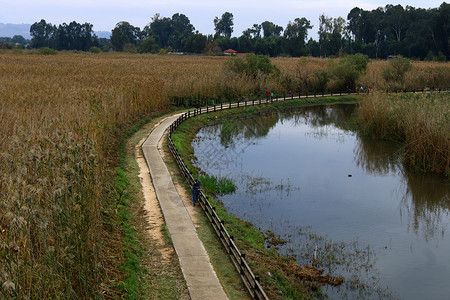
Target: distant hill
<point>10,30</point>
<point>103,34</point>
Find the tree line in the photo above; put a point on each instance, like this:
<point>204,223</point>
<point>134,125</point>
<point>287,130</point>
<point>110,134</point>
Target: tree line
<point>379,33</point>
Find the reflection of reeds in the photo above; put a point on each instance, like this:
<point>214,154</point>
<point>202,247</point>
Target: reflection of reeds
<point>376,156</point>
<point>421,121</point>
<point>425,203</point>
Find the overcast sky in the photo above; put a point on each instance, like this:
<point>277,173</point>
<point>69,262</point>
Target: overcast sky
<point>105,14</point>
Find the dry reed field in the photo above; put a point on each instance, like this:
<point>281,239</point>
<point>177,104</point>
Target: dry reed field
<point>61,118</point>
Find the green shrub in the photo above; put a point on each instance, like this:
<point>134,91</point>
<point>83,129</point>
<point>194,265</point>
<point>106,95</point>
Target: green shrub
<point>47,51</point>
<point>348,69</point>
<point>252,65</point>
<point>95,50</point>
<point>396,69</point>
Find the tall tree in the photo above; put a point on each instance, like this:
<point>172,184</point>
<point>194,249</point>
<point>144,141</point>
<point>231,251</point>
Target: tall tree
<point>196,43</point>
<point>295,36</point>
<point>181,30</point>
<point>42,34</point>
<point>330,35</point>
<point>124,33</point>
<point>271,29</point>
<point>224,25</point>
<point>161,29</point>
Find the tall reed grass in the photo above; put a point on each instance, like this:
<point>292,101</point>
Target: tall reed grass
<point>60,117</point>
<point>420,121</point>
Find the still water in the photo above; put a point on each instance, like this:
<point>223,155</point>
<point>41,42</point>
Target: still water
<point>341,201</point>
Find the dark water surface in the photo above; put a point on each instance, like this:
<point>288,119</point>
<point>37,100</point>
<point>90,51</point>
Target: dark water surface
<point>343,202</point>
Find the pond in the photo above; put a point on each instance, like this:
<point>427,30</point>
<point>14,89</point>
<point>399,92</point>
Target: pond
<point>342,202</point>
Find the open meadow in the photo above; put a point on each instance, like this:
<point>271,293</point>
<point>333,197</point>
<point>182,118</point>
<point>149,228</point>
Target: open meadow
<point>61,121</point>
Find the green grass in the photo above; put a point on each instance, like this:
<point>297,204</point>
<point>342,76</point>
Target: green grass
<point>217,185</point>
<point>131,247</point>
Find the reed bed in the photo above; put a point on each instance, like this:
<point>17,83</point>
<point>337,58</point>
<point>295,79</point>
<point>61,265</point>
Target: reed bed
<point>61,120</point>
<point>420,121</point>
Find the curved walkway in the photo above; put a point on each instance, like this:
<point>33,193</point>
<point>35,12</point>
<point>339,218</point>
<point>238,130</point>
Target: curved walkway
<point>200,277</point>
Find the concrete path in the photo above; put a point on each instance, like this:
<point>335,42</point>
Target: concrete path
<point>200,277</point>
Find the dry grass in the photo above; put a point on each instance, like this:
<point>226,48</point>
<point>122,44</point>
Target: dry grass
<point>61,117</point>
<point>421,121</point>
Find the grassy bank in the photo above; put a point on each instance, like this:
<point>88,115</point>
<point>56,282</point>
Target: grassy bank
<point>280,276</point>
<point>420,121</point>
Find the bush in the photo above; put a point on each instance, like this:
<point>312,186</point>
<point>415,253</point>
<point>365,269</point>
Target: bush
<point>440,57</point>
<point>252,65</point>
<point>396,69</point>
<point>348,70</point>
<point>320,82</point>
<point>148,45</point>
<point>47,51</point>
<point>95,50</point>
<point>129,48</point>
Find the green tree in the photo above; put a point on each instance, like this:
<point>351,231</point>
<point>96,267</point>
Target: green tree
<point>348,69</point>
<point>148,45</point>
<point>252,65</point>
<point>271,29</point>
<point>42,34</point>
<point>161,29</point>
<point>295,36</point>
<point>224,26</point>
<point>330,35</point>
<point>19,39</point>
<point>181,30</point>
<point>124,33</point>
<point>397,69</point>
<point>75,36</point>
<point>196,43</point>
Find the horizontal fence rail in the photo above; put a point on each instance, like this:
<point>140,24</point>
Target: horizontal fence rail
<point>205,101</point>
<point>250,280</point>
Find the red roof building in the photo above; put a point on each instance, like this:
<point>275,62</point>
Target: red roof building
<point>230,51</point>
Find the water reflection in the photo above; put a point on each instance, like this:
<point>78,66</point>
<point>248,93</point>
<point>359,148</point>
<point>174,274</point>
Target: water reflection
<point>290,169</point>
<point>426,203</point>
<point>235,129</point>
<point>377,157</point>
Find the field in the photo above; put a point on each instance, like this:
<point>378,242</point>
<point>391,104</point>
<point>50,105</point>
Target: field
<point>62,118</point>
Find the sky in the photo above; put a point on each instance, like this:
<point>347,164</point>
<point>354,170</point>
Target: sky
<point>105,14</point>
